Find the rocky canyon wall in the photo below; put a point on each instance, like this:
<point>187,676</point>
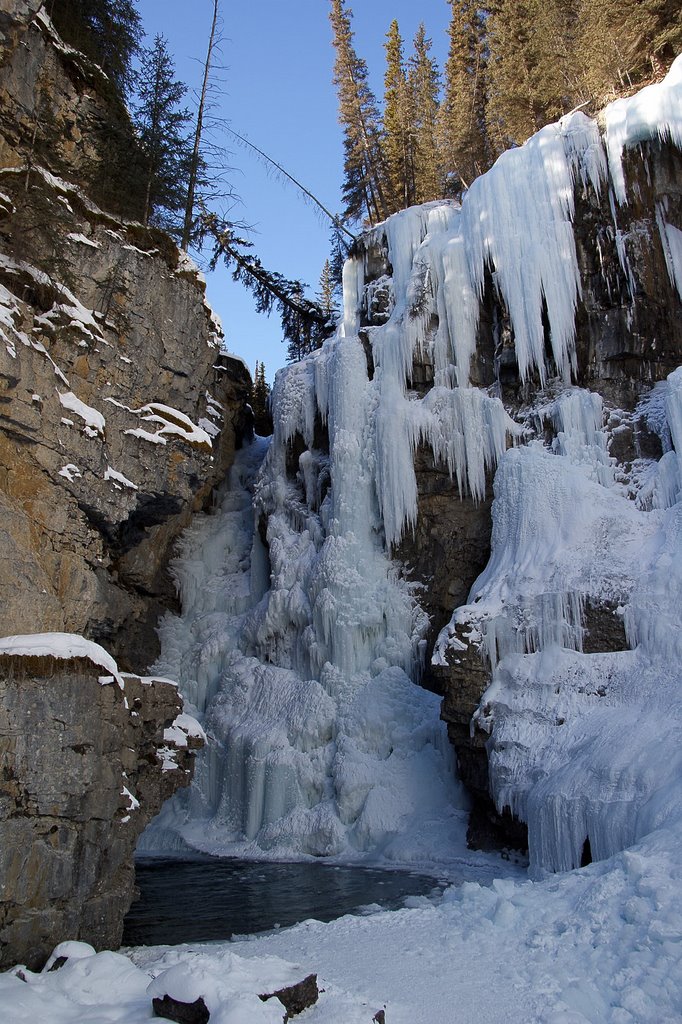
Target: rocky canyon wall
<point>119,412</point>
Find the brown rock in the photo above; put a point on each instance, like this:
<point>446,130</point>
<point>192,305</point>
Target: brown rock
<point>184,1013</point>
<point>69,750</point>
<point>296,998</point>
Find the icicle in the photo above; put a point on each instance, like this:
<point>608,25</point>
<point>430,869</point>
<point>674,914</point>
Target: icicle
<point>294,405</point>
<point>578,417</point>
<point>671,240</point>
<point>518,219</point>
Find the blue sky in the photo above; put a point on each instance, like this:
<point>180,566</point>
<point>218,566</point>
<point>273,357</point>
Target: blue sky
<point>276,89</point>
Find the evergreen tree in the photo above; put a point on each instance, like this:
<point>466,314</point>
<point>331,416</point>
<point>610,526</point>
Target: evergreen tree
<point>160,124</point>
<point>196,161</point>
<point>465,150</point>
<point>558,81</point>
<point>304,324</point>
<point>398,123</point>
<point>424,86</point>
<point>108,31</point>
<point>260,401</point>
<point>621,43</point>
<point>365,187</point>
<point>327,292</point>
<point>512,114</point>
<point>340,250</point>
<point>532,67</point>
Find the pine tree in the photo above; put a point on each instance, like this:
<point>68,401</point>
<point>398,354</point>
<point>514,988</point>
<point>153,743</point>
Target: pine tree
<point>398,120</point>
<point>532,66</point>
<point>424,85</point>
<point>304,324</point>
<point>339,251</point>
<point>110,169</point>
<point>462,133</point>
<point>108,31</point>
<point>620,43</point>
<point>512,115</point>
<point>327,292</point>
<point>558,82</point>
<point>160,124</point>
<point>260,401</point>
<point>365,187</point>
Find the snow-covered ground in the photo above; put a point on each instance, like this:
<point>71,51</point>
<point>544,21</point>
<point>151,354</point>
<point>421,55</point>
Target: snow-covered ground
<point>592,946</point>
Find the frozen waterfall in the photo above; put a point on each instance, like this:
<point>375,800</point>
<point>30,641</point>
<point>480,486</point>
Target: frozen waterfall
<point>299,641</point>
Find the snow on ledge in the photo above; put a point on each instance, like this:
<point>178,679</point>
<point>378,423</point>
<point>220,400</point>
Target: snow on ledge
<point>95,423</point>
<point>78,236</point>
<point>654,112</point>
<point>184,728</point>
<point>61,645</point>
<point>119,480</point>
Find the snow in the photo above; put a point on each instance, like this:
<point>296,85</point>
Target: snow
<point>82,239</point>
<point>10,314</point>
<point>146,435</point>
<point>184,727</point>
<point>118,479</point>
<point>582,745</point>
<point>70,471</point>
<point>60,645</point>
<point>209,427</point>
<point>217,323</point>
<point>133,802</point>
<point>73,313</point>
<point>140,252</point>
<point>283,737</point>
<point>93,420</point>
<point>175,423</point>
<point>652,113</point>
<point>597,946</point>
<point>299,658</point>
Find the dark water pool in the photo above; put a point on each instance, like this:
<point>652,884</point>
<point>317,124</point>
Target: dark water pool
<point>209,898</point>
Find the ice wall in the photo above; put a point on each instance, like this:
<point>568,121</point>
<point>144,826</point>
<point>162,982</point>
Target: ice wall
<point>583,746</point>
<point>300,642</point>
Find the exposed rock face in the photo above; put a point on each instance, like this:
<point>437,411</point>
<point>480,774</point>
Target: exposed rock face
<point>118,415</point>
<point>450,546</point>
<point>82,774</point>
<point>100,464</point>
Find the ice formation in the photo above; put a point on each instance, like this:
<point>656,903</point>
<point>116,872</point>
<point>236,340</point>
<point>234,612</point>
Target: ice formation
<point>299,643</point>
<point>583,745</point>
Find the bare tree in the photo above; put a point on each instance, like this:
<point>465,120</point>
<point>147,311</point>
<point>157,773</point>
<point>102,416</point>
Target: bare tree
<point>196,152</point>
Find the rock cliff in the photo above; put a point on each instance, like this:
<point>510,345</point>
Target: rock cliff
<point>119,412</point>
<point>84,767</point>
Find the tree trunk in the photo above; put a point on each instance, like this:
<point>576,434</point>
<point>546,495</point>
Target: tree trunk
<point>196,152</point>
